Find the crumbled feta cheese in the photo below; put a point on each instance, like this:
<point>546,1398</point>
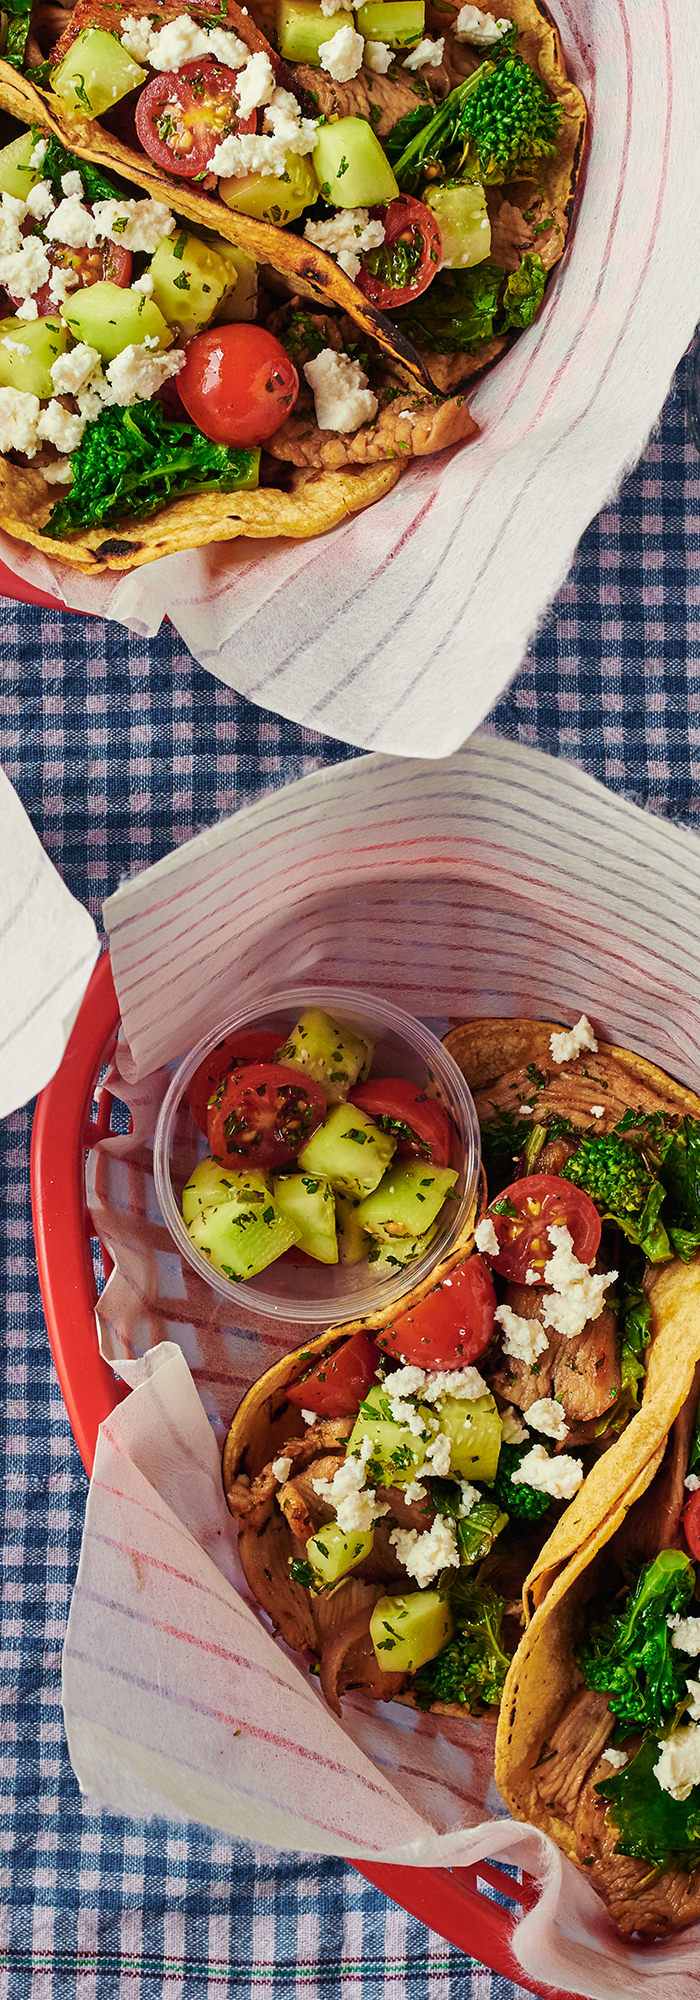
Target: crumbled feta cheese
<point>567,1044</point>
<point>136,38</point>
<point>559,1476</point>
<point>410,416</point>
<point>256,83</point>
<point>615,1757</point>
<point>282,118</point>
<point>686,1634</point>
<point>60,427</point>
<point>692,1482</point>
<point>135,374</point>
<point>423,1556</point>
<point>406,1413</point>
<point>180,41</point>
<point>547,1416</point>
<point>415,1492</point>
<point>151,340</point>
<point>482,30</point>
<point>524,1110</point>
<point>597,1110</point>
<point>249,153</point>
<point>61,284</point>
<point>439,1455</point>
<point>19,416</point>
<point>428,54</point>
<point>678,1767</point>
<point>485,1236</point>
<point>72,184</point>
<point>18,347</point>
<point>143,284</point>
<point>356,1505</point>
<point>309,1416</point>
<point>71,371</point>
<point>329,7</point>
<point>281,1468</point>
<point>341,396</point>
<point>378,57</point>
<point>58,474</point>
<point>40,201</point>
<point>228,48</point>
<point>137,225</point>
<point>27,309</point>
<point>346,236</point>
<point>407,1381</point>
<point>37,158</point>
<point>470,1495</point>
<point>524,1338</point>
<point>693,1711</point>
<point>466,1384</point>
<point>72,223</point>
<point>532,1277</point>
<point>579,1294</point>
<point>341,57</point>
<point>24,271</point>
<point>12,213</point>
<point>514,1432</point>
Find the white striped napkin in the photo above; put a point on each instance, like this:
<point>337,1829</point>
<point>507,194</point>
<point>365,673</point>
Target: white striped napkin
<point>48,946</point>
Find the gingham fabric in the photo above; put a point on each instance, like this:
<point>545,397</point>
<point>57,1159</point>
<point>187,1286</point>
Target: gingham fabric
<point>119,750</point>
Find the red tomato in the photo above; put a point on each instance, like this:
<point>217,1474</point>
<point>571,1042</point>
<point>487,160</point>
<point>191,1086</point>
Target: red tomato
<point>106,260</point>
<point>691,1524</point>
<point>183,115</point>
<point>339,1384</point>
<point>266,1113</point>
<point>539,1200</point>
<point>420,1124</point>
<point>238,384</point>
<point>451,1326</point>
<point>408,259</point>
<point>249,1045</point>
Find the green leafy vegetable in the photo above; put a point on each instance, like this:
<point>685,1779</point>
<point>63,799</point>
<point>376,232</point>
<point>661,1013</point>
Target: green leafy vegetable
<point>458,311</point>
<point>634,1323</point>
<point>523,1503</point>
<point>680,1174</point>
<point>628,1654</point>
<point>652,1824</point>
<point>302,1572</point>
<point>132,461</point>
<point>15,29</point>
<point>507,1140</point>
<point>473,1665</point>
<point>59,161</point>
<point>477,1532</point>
<point>616,1173</point>
<point>523,294</point>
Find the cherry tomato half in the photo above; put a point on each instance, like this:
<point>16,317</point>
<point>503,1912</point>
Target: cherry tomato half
<point>449,1328</point>
<point>238,384</point>
<point>339,1384</point>
<point>420,1125</point>
<point>267,1111</point>
<point>534,1204</point>
<point>249,1045</point>
<point>183,115</point>
<point>690,1520</point>
<point>408,259</point>
<point>105,260</point>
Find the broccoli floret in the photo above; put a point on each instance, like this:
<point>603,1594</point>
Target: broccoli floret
<point>629,1655</point>
<point>523,1503</point>
<point>615,1175</point>
<point>131,461</point>
<point>472,1667</point>
<point>509,120</point>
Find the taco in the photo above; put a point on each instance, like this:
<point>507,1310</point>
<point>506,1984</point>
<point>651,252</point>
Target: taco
<point>598,1740</point>
<point>381,188</point>
<point>398,1482</point>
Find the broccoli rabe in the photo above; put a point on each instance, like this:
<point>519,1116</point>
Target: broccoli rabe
<point>616,1173</point>
<point>629,1654</point>
<point>509,121</point>
<point>477,1531</point>
<point>523,1503</point>
<point>472,1667</point>
<point>133,460</point>
<point>653,1826</point>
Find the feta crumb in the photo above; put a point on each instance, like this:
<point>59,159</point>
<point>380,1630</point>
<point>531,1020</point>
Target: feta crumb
<point>615,1757</point>
<point>282,118</point>
<point>356,1505</point>
<point>423,1556</point>
<point>18,347</point>
<point>341,57</point>
<point>19,416</point>
<point>597,1110</point>
<point>414,1492</point>
<point>134,374</point>
<point>485,1236</point>
<point>406,1413</point>
<point>524,1110</point>
<point>567,1044</point>
<point>249,153</point>
<point>179,42</point>
<point>71,371</point>
<point>151,340</point>
<point>256,83</point>
<point>678,1767</point>
<point>692,1482</point>
<point>439,1455</point>
<point>410,415</point>
<point>60,427</point>
<point>72,223</point>
<point>24,271</point>
<point>137,225</point>
<point>61,284</point>
<point>406,1381</point>
<point>58,474</point>
<point>309,1416</point>
<point>547,1416</point>
<point>12,213</point>
<point>40,201</point>
<point>329,7</point>
<point>464,1383</point>
<point>428,54</point>
<point>143,284</point>
<point>281,1468</point>
<point>228,47</point>
<point>341,396</point>
<point>478,28</point>
<point>532,1277</point>
<point>693,1711</point>
<point>378,56</point>
<point>470,1495</point>
<point>72,184</point>
<point>345,236</point>
<point>524,1338</point>
<point>37,158</point>
<point>514,1431</point>
<point>579,1294</point>
<point>686,1634</point>
<point>561,1477</point>
<point>27,309</point>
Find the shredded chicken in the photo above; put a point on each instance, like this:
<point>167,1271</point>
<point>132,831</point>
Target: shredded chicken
<point>382,100</point>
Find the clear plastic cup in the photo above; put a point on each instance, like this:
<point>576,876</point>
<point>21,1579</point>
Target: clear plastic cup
<point>324,1293</point>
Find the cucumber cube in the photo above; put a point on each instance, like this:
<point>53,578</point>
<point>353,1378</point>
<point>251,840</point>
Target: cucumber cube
<point>307,1201</point>
<point>273,198</point>
<point>28,349</point>
<point>96,72</point>
<point>353,1241</point>
<point>301,28</point>
<point>331,1054</point>
<point>399,23</point>
<point>189,282</point>
<point>212,1184</point>
<point>397,1453</point>
<point>242,302</point>
<point>406,1630</point>
<point>244,1234</point>
<point>352,166</point>
<point>407,1201</point>
<point>350,1150</point>
<point>332,1553</point>
<point>463,220</point>
<point>111,317</point>
<point>16,175</point>
<point>385,1259</point>
<point>475,1431</point>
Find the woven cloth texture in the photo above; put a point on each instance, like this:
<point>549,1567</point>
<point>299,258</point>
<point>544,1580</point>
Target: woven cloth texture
<point>120,750</point>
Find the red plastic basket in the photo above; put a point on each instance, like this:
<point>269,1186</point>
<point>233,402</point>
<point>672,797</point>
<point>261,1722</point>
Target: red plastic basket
<point>457,1903</point>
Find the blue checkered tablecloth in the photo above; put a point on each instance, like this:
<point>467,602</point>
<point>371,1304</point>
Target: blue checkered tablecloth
<point>120,749</point>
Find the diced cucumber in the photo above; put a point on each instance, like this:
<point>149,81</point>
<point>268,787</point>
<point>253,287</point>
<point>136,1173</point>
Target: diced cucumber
<point>244,1234</point>
<point>212,1184</point>
<point>332,1553</point>
<point>189,282</point>
<point>242,303</point>
<point>331,1054</point>
<point>16,175</point>
<point>28,349</point>
<point>475,1432</point>
<point>407,1201</point>
<point>386,1259</point>
<point>111,317</point>
<point>307,1200</point>
<point>350,1150</point>
<point>271,197</point>
<point>353,1242</point>
<point>410,1628</point>
<point>96,72</point>
<point>397,1453</point>
<point>351,165</point>
<point>301,28</point>
<point>465,229</point>
<point>399,23</point>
